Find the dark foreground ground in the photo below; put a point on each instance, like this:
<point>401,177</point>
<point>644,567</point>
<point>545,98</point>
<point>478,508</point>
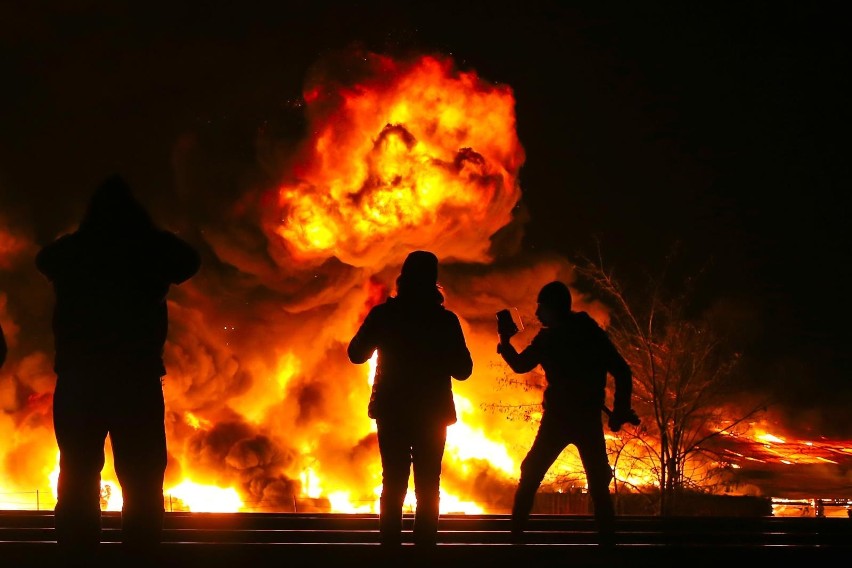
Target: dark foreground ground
<point>218,540</point>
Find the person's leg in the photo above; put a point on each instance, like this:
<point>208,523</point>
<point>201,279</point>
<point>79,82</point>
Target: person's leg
<point>591,445</point>
<point>81,431</point>
<point>395,451</point>
<point>549,443</point>
<point>427,454</point>
<point>139,450</point>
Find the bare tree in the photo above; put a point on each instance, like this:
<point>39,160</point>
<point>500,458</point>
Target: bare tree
<point>686,389</point>
<point>684,384</point>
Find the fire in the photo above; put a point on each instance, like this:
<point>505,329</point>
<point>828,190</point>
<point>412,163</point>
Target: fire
<point>311,486</point>
<point>187,495</point>
<point>11,246</point>
<point>111,498</point>
<point>196,422</point>
<point>770,439</point>
<point>466,442</point>
<point>207,498</point>
<point>766,447</point>
<point>264,411</point>
<point>449,504</point>
<point>413,155</point>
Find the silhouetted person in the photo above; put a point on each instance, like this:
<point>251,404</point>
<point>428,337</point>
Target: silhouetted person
<point>421,348</point>
<point>576,355</point>
<point>111,278</point>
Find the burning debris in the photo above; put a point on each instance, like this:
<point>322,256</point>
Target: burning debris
<point>786,467</point>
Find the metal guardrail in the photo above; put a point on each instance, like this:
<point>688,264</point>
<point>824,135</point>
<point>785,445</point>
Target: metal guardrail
<point>214,540</point>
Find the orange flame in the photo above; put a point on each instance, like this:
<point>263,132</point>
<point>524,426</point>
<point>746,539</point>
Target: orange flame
<point>414,154</point>
<point>264,410</point>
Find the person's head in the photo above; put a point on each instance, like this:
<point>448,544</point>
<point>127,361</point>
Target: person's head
<point>419,276</point>
<point>554,303</point>
<point>114,208</point>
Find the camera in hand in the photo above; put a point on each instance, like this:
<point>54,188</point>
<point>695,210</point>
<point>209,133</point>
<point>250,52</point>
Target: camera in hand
<point>619,419</point>
<point>505,324</point>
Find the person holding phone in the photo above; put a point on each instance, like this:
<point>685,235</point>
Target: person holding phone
<point>576,356</point>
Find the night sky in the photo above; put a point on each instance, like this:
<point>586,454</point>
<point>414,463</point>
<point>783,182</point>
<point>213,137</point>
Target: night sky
<point>722,128</point>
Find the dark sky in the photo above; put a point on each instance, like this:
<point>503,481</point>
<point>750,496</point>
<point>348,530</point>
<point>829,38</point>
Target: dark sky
<point>721,127</point>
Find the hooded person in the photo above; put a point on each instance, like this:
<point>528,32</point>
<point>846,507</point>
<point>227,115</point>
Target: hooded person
<point>421,348</point>
<point>111,278</point>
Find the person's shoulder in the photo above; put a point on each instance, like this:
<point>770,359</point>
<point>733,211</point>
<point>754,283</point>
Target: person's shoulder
<point>447,313</point>
<point>388,306</point>
<point>584,319</point>
<point>584,324</point>
<point>167,237</point>
<point>588,326</point>
<point>171,243</point>
<point>67,239</point>
<point>60,252</point>
<point>62,242</point>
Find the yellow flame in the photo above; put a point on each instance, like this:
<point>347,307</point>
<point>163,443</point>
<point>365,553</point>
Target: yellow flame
<point>288,367</point>
<point>374,360</point>
<point>341,502</point>
<point>195,421</point>
<point>770,438</point>
<point>207,498</point>
<point>417,148</point>
<point>467,442</point>
<point>112,498</point>
<point>311,486</point>
<point>448,504</point>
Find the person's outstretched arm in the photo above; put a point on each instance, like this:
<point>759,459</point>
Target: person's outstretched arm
<point>522,362</point>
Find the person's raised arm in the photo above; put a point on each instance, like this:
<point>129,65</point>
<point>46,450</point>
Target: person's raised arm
<point>522,362</point>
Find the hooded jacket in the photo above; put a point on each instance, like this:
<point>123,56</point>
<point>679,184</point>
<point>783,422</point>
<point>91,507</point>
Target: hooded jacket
<point>111,278</point>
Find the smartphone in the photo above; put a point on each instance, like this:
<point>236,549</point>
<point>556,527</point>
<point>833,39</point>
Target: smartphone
<point>509,321</point>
